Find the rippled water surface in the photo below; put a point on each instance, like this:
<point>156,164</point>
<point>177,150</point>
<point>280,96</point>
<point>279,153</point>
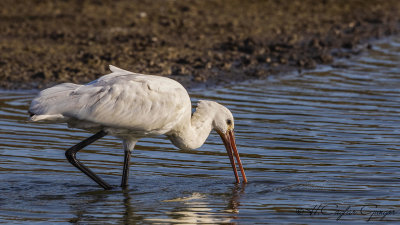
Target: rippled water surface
<point>317,147</point>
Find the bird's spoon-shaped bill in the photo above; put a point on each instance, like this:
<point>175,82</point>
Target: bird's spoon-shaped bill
<point>235,151</point>
<point>229,141</point>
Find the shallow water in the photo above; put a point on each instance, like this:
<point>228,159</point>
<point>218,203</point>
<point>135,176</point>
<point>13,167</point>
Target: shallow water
<point>317,147</point>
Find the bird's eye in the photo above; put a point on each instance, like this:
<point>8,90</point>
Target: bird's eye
<point>229,122</point>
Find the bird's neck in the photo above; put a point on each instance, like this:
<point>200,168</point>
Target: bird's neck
<point>194,132</point>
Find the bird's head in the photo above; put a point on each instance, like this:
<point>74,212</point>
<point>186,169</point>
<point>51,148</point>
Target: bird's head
<point>223,124</point>
<point>223,119</point>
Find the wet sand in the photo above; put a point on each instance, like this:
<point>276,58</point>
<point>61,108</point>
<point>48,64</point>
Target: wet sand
<point>195,42</point>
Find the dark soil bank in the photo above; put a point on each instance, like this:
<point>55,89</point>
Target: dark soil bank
<point>196,42</point>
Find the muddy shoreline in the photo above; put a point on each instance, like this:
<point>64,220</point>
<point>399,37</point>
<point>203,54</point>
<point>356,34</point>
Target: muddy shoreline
<point>199,43</point>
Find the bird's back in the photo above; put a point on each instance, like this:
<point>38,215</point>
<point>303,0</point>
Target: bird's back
<point>120,100</point>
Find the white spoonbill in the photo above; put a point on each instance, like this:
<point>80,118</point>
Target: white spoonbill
<point>131,106</point>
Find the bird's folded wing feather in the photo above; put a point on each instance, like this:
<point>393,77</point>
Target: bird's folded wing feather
<point>142,102</point>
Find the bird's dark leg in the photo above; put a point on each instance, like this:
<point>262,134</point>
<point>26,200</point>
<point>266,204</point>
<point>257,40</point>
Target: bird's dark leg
<point>125,172</point>
<point>71,156</point>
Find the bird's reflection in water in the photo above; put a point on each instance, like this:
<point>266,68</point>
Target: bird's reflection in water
<point>196,208</point>
<point>130,216</point>
<point>237,191</point>
<point>82,209</point>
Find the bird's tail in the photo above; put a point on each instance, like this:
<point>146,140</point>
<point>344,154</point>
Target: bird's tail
<point>50,102</point>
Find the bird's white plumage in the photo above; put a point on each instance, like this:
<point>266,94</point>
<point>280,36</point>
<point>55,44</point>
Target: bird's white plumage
<point>121,100</point>
<point>131,106</point>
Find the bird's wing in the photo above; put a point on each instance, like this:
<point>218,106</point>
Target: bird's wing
<point>121,99</point>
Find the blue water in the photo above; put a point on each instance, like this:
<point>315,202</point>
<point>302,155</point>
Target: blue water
<point>317,147</point>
